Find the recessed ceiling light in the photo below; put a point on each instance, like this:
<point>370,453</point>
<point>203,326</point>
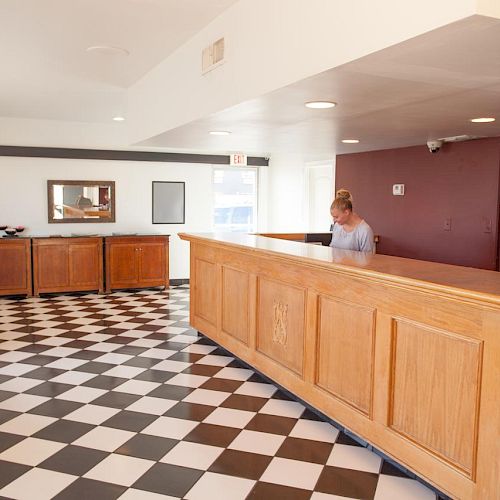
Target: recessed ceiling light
<point>320,104</point>
<point>482,120</point>
<point>118,118</point>
<point>108,50</point>
<point>350,141</point>
<point>219,132</point>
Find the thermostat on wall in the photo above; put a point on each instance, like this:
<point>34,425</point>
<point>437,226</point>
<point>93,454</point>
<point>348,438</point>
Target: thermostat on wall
<point>398,189</point>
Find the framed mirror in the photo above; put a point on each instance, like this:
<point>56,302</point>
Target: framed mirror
<point>81,201</point>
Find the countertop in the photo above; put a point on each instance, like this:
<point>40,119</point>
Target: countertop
<point>464,281</point>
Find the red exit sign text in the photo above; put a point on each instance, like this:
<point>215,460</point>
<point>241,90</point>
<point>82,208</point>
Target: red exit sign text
<point>238,160</point>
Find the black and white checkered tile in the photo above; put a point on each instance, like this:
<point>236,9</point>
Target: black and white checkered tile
<point>116,396</point>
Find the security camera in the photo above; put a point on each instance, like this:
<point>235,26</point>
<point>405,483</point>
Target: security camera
<point>434,146</point>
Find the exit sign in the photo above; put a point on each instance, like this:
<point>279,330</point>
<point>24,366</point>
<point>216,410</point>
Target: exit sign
<point>238,160</point>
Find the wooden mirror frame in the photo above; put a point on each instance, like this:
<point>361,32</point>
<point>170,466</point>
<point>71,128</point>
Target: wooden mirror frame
<point>96,220</point>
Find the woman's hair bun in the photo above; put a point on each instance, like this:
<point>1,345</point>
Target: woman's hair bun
<point>344,194</point>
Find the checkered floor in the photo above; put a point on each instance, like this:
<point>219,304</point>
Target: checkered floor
<point>116,396</point>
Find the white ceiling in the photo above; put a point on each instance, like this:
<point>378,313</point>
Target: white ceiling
<point>425,88</point>
<point>46,72</point>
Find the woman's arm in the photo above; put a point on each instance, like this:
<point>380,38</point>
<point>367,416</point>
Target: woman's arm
<point>366,239</point>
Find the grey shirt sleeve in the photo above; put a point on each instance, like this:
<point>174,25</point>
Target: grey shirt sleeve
<point>366,238</point>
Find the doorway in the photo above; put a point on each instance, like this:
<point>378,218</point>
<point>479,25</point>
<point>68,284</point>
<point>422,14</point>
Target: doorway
<point>320,191</point>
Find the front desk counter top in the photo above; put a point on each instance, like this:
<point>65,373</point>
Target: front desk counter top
<point>465,281</point>
<point>404,353</point>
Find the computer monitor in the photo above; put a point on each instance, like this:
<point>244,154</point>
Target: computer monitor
<point>323,238</point>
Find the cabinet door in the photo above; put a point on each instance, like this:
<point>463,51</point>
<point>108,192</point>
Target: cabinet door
<point>84,269</point>
<point>152,264</point>
<point>123,269</point>
<point>14,260</point>
<point>51,266</point>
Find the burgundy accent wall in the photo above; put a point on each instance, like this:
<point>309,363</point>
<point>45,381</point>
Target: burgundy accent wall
<point>460,182</point>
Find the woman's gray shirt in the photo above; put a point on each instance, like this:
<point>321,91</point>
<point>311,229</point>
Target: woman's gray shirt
<point>360,238</point>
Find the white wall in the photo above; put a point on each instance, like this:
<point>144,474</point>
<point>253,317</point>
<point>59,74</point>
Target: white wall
<point>489,8</point>
<point>57,133</point>
<point>23,198</point>
<point>264,204</point>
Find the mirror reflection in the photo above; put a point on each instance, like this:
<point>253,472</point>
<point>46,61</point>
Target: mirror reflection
<point>81,201</point>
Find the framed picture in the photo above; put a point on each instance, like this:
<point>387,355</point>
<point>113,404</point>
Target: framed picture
<point>169,202</point>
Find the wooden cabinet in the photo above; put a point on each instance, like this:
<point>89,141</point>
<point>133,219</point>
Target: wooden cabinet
<point>76,264</point>
<point>15,266</point>
<point>67,264</point>
<point>136,261</point>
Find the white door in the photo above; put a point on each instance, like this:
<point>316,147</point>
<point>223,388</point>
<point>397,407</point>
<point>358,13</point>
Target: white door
<point>320,197</point>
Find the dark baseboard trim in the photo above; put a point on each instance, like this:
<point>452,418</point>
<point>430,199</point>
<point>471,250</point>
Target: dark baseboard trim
<point>179,282</point>
<point>109,154</point>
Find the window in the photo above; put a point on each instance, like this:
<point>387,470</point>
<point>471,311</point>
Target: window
<point>235,199</point>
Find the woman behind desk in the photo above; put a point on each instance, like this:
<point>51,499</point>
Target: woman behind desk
<point>349,231</point>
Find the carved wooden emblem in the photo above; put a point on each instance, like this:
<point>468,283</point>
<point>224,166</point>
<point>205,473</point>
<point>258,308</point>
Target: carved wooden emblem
<point>280,323</point>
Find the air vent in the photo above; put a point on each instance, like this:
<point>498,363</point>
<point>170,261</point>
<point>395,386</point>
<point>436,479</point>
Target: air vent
<point>212,56</point>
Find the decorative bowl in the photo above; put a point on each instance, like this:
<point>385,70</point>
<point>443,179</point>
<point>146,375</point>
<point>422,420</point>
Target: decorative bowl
<point>10,231</point>
<point>19,229</point>
<point>2,228</point>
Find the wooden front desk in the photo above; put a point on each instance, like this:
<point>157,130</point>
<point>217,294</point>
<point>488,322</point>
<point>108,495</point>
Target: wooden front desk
<point>404,353</point>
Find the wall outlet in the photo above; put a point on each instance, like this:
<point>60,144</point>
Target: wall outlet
<point>447,224</point>
<point>487,225</point>
<point>398,189</point>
